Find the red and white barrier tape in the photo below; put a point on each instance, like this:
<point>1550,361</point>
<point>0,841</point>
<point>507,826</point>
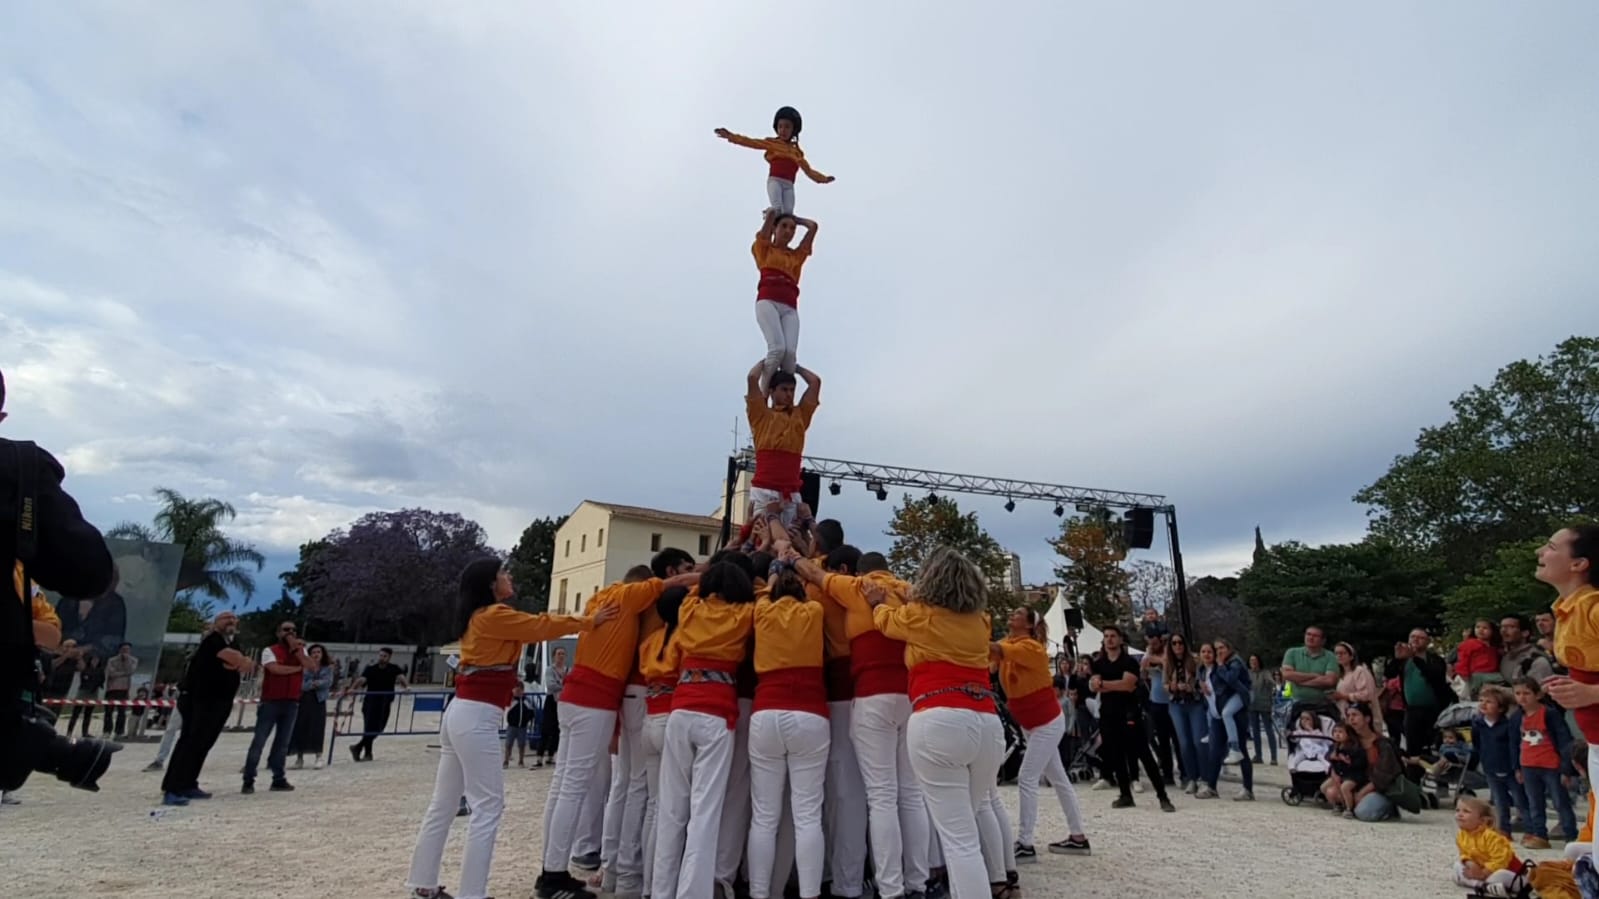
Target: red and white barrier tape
<point>131,703</point>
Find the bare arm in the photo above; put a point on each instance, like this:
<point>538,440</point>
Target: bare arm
<point>813,386</point>
<point>752,385</point>
<point>806,242</point>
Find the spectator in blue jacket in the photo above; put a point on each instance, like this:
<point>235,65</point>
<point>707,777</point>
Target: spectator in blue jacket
<point>1496,745</point>
<point>1229,686</point>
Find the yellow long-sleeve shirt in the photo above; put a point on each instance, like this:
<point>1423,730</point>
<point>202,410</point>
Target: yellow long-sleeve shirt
<point>1486,847</point>
<point>936,634</point>
<point>605,655</point>
<point>785,157</point>
<point>788,634</point>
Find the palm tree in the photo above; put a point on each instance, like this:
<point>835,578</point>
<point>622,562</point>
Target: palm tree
<point>214,564</point>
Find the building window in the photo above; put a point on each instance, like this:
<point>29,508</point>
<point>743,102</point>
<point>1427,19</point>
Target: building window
<point>600,540</point>
<point>561,597</point>
<point>705,545</point>
<point>568,547</point>
<point>578,603</point>
<point>583,543</point>
<point>655,543</point>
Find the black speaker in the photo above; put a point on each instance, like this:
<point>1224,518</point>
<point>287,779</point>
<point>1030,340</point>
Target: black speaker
<point>1074,617</point>
<point>811,491</point>
<point>1138,528</point>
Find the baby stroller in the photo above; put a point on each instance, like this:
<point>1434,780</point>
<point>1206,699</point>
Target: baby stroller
<point>1448,775</point>
<point>1015,745</point>
<point>1308,749</point>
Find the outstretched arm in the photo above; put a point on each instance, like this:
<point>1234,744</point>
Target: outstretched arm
<point>813,174</point>
<point>754,143</point>
<point>752,388</point>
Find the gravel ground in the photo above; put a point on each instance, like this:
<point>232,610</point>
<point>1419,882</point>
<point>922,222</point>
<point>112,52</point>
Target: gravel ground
<point>349,829</point>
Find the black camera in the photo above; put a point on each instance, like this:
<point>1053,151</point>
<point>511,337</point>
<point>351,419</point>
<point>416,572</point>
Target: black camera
<point>38,747</point>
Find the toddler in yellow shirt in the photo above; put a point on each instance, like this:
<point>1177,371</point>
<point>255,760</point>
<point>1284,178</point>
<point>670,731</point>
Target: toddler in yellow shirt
<point>1486,856</point>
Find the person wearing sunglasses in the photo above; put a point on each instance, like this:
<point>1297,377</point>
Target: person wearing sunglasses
<point>282,672</point>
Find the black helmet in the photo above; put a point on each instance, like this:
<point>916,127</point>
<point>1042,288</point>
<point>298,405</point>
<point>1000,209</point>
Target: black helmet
<point>790,113</point>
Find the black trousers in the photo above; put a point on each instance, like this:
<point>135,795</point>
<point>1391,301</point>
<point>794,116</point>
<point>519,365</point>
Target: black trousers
<point>1165,739</point>
<point>549,727</point>
<point>1123,744</point>
<point>374,718</point>
<point>1419,732</point>
<point>203,720</point>
<point>121,716</point>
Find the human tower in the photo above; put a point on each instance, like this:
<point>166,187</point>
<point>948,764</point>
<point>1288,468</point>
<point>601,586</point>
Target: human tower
<point>748,726</point>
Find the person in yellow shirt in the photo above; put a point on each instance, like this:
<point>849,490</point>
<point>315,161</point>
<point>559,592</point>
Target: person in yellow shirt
<point>713,635</point>
<point>783,156</point>
<point>658,658</point>
<point>46,623</point>
<point>1486,856</point>
<point>588,708</point>
<point>777,427</point>
<point>955,738</point>
<point>1569,562</point>
<point>492,634</point>
<point>879,717</point>
<point>789,733</point>
<point>1024,672</point>
<point>777,292</point>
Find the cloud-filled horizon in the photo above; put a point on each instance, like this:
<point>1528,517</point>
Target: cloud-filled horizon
<point>320,260</point>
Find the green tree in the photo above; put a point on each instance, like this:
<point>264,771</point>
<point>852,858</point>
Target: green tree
<point>532,561</point>
<point>190,616</point>
<point>921,525</point>
<point>1518,455</point>
<point>214,564</point>
<point>1091,573</point>
<point>1505,587</point>
<point>1370,594</point>
<point>260,628</point>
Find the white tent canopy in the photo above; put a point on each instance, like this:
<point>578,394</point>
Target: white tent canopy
<point>1089,638</point>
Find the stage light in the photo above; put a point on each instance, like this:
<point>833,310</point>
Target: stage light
<point>834,488</point>
<point>874,486</point>
<point>1059,510</point>
<point>881,493</point>
<point>1010,505</point>
<point>932,498</point>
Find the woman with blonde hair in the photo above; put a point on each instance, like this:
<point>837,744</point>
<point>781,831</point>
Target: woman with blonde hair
<point>954,735</point>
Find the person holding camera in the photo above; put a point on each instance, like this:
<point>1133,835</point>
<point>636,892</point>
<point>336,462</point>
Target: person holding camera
<point>283,664</point>
<point>44,534</point>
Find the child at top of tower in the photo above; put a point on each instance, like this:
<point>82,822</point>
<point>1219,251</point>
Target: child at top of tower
<point>784,155</point>
<point>778,425</point>
<point>777,292</point>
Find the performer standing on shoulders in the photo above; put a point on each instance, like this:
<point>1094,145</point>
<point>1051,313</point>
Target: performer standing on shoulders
<point>784,154</point>
<point>777,292</point>
<point>778,427</point>
<point>492,634</point>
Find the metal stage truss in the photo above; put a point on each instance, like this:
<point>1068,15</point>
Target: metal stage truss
<point>879,478</point>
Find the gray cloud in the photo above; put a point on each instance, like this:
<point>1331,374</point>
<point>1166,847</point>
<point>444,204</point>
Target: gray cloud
<point>337,258</point>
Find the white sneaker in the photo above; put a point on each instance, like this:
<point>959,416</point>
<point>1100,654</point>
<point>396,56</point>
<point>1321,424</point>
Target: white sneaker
<point>1104,785</point>
<point>1191,787</point>
<point>317,765</point>
<point>1233,757</point>
<point>1205,793</point>
<point>1138,786</point>
<point>1243,795</point>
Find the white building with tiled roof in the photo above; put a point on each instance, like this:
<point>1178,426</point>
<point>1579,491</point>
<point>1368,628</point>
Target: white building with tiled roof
<point>600,541</point>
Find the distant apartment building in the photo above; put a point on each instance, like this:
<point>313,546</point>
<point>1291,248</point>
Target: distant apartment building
<point>600,541</point>
<point>1011,580</point>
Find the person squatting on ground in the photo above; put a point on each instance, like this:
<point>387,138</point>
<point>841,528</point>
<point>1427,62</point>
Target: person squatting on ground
<point>784,157</point>
<point>491,638</point>
<point>1023,664</point>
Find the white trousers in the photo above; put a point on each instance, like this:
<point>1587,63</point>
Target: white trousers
<point>1503,878</point>
<point>469,765</point>
<point>896,814</point>
<point>694,769</point>
<point>993,826</point>
<point>787,749</point>
<point>1593,778</point>
<point>654,733</point>
<point>845,806</point>
<point>780,194</point>
<point>1041,760</point>
<point>780,326</point>
<point>735,824</point>
<point>590,836</point>
<point>582,765</point>
<point>956,754</point>
<point>170,738</point>
<point>622,848</point>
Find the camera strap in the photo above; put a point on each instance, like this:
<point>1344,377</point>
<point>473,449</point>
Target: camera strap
<point>27,454</point>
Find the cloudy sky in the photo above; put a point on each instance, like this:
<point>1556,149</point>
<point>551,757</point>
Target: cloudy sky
<point>320,259</point>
